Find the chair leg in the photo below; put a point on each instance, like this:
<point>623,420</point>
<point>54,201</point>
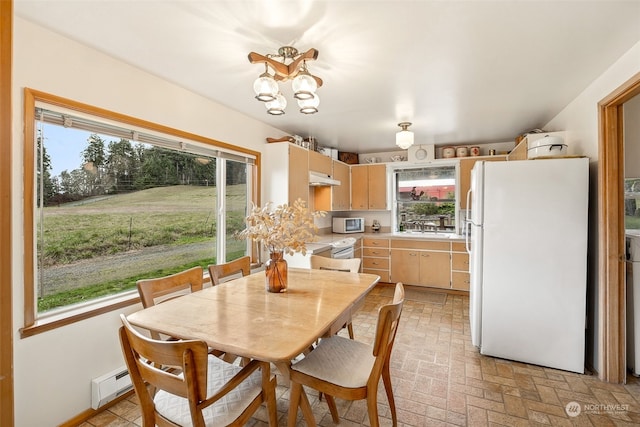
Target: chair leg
<point>350,329</point>
<point>272,406</point>
<point>331,403</point>
<point>372,408</point>
<point>294,402</point>
<point>306,409</point>
<point>386,379</point>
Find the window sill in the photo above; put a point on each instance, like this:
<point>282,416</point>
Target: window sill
<point>68,316</point>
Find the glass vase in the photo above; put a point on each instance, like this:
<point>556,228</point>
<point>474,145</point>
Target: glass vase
<point>276,272</point>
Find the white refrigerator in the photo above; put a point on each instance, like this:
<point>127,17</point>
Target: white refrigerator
<point>528,260</point>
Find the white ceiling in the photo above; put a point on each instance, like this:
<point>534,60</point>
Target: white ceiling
<point>461,71</point>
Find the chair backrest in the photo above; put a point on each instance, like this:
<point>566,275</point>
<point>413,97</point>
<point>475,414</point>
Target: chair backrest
<point>339,264</point>
<point>155,291</point>
<point>146,358</point>
<point>238,266</point>
<point>386,328</point>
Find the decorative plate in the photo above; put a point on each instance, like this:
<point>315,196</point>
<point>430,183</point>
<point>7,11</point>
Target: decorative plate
<point>421,154</point>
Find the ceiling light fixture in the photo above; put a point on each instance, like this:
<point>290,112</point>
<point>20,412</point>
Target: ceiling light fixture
<point>404,138</point>
<point>288,64</point>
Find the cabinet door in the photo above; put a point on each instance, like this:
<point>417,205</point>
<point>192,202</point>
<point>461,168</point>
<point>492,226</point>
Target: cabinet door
<point>405,266</point>
<point>298,174</point>
<point>460,261</point>
<point>465,176</point>
<point>465,180</point>
<point>319,163</point>
<point>341,194</point>
<point>435,269</point>
<point>377,186</point>
<point>359,187</point>
<point>460,280</point>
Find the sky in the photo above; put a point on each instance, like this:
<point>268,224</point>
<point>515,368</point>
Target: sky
<point>64,147</point>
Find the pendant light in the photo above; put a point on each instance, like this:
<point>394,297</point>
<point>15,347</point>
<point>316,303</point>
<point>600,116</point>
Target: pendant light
<point>287,65</point>
<point>404,138</point>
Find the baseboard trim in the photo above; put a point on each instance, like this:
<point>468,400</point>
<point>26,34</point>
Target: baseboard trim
<point>84,416</point>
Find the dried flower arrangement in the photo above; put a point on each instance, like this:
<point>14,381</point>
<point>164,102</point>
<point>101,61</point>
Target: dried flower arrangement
<point>285,229</point>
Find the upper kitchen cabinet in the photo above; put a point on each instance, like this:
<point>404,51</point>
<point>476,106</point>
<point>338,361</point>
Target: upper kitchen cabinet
<point>341,194</point>
<point>335,197</point>
<point>285,173</point>
<point>320,163</point>
<point>466,164</point>
<point>368,187</point>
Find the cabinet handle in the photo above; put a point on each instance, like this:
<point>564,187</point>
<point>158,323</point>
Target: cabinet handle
<point>413,254</point>
<point>425,255</point>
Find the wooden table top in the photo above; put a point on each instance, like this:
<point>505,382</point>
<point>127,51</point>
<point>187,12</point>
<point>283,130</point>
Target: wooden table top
<point>242,318</point>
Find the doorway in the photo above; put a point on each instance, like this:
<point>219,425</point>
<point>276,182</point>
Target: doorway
<point>611,245</point>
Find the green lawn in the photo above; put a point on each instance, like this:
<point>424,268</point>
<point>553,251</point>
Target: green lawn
<point>97,228</point>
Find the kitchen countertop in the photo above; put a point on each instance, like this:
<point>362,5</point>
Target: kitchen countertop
<point>427,235</point>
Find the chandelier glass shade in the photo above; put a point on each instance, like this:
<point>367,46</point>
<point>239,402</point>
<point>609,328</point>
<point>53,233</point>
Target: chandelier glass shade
<point>288,64</point>
<point>265,87</point>
<point>309,105</point>
<point>404,138</point>
<point>303,85</point>
<point>277,105</point>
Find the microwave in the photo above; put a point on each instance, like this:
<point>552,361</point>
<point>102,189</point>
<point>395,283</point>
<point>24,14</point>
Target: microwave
<point>348,225</point>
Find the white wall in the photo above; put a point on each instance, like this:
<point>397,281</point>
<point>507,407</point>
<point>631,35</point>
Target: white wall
<point>53,370</point>
<point>580,121</point>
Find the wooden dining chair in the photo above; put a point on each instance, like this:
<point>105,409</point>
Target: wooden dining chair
<point>160,289</point>
<point>231,268</point>
<point>351,265</point>
<point>349,369</point>
<point>203,391</point>
<point>338,264</point>
<point>157,290</point>
<point>228,270</point>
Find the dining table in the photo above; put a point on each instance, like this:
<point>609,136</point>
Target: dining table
<point>242,318</point>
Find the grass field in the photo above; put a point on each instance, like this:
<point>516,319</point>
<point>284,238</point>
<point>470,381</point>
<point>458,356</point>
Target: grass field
<point>81,235</point>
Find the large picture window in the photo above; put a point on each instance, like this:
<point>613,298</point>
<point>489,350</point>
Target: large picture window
<point>114,202</point>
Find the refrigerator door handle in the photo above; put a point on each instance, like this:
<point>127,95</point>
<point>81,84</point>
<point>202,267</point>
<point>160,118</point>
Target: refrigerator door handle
<point>467,225</point>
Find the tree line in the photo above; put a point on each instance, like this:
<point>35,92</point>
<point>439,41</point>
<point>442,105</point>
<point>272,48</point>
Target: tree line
<point>111,167</point>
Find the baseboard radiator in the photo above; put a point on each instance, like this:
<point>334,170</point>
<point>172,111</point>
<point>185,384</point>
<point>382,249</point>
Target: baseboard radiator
<point>109,386</point>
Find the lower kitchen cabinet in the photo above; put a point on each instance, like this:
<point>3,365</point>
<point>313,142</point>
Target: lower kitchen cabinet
<point>375,257</point>
<point>429,263</point>
<point>460,278</point>
<point>421,267</point>
<point>434,269</point>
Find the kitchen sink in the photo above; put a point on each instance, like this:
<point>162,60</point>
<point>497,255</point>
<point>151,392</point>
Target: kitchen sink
<point>428,234</point>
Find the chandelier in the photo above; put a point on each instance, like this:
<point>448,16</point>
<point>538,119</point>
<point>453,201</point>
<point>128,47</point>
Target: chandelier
<point>286,65</point>
<point>404,138</point>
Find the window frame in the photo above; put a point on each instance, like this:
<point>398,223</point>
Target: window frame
<point>32,324</point>
<point>454,165</point>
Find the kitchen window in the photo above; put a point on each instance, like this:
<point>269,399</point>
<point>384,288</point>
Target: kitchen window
<point>425,199</point>
<point>115,202</point>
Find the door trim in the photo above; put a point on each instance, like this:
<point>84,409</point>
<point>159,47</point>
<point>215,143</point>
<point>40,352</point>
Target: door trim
<point>6,300</point>
<point>611,243</point>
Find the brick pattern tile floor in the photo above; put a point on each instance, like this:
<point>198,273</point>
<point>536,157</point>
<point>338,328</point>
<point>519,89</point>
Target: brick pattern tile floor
<point>440,379</point>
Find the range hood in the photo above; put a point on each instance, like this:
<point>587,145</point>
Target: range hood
<point>317,179</point>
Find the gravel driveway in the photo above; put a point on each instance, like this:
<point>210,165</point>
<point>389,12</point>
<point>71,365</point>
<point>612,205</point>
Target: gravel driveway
<point>124,265</point>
